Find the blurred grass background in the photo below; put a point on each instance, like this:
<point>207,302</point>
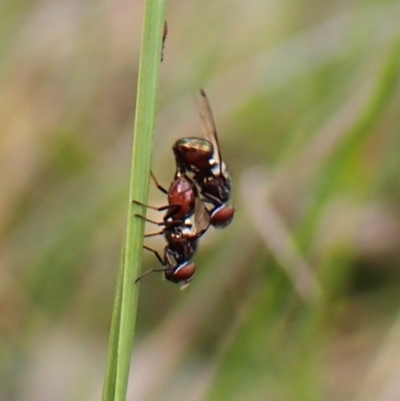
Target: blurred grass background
<point>299,298</point>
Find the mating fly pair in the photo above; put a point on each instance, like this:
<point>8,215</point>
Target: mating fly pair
<point>197,198</point>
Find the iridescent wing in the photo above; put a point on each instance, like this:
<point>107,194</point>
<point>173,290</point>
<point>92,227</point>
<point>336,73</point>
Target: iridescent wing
<point>201,219</point>
<point>208,122</point>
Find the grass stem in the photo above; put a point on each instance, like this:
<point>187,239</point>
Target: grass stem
<point>125,306</point>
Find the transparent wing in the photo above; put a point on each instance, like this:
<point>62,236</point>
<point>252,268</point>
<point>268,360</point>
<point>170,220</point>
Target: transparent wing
<point>208,122</point>
<point>201,220</point>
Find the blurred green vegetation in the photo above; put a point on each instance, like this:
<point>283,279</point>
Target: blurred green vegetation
<point>299,298</point>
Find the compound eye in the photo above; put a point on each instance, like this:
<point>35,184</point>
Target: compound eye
<point>222,216</point>
<point>181,273</point>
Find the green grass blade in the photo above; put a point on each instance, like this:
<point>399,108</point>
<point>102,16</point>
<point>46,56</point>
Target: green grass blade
<point>109,383</point>
<point>124,313</point>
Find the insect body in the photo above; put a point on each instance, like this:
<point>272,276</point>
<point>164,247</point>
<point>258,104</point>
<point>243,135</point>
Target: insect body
<point>165,32</point>
<point>201,177</point>
<point>202,157</point>
<point>182,242</point>
<point>181,197</point>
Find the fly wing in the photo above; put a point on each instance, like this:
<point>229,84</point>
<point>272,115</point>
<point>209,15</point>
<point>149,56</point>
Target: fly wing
<point>208,122</point>
<point>201,220</point>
